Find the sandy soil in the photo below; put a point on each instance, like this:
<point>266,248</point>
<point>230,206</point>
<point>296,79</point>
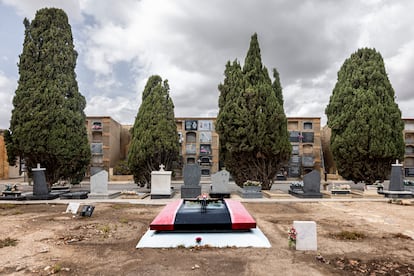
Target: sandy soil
<point>48,240</point>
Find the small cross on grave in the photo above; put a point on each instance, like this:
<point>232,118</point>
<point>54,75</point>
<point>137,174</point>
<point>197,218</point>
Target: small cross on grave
<point>162,168</point>
<point>397,164</point>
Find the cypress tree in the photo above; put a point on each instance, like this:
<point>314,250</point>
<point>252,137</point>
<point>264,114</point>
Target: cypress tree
<point>48,122</point>
<point>251,123</point>
<point>154,134</point>
<point>367,130</point>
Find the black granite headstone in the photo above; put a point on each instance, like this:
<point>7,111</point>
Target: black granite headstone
<point>312,182</point>
<point>396,180</point>
<point>192,176</point>
<point>396,187</point>
<point>40,187</point>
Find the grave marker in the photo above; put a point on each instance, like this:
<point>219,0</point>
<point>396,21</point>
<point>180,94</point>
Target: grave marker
<point>220,184</point>
<point>306,235</point>
<point>161,184</point>
<point>192,176</point>
<point>73,207</point>
<point>40,187</point>
<point>99,186</point>
<point>311,186</point>
<point>396,187</point>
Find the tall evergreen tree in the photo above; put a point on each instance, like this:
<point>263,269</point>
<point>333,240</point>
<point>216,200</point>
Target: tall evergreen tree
<point>48,122</point>
<point>251,122</point>
<point>367,130</point>
<point>154,134</point>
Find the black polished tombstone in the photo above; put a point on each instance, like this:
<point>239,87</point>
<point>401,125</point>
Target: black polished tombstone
<point>203,215</point>
<point>192,176</point>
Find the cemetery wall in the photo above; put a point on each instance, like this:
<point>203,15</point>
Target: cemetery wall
<point>4,165</point>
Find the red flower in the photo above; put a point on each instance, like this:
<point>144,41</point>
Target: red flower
<point>198,239</point>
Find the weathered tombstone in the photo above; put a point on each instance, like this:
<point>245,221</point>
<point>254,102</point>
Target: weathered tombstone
<point>306,235</point>
<point>220,184</point>
<point>192,176</point>
<point>311,186</point>
<point>99,186</point>
<point>161,184</point>
<point>40,187</point>
<point>396,187</point>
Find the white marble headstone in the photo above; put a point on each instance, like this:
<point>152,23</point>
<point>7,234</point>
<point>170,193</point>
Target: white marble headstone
<point>161,182</point>
<point>99,183</point>
<point>306,235</point>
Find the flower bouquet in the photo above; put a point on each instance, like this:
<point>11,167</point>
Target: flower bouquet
<point>292,236</point>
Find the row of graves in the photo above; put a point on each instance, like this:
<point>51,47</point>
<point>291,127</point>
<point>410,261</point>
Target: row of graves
<point>397,187</point>
<point>220,188</point>
<point>42,191</point>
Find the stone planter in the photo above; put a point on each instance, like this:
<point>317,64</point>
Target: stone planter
<point>252,189</point>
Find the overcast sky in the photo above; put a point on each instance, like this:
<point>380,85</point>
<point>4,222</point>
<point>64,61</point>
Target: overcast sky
<point>122,43</point>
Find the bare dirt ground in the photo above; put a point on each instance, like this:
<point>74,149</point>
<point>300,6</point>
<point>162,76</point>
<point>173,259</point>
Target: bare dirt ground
<point>42,239</point>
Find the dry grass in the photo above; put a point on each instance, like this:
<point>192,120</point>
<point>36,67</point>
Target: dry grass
<point>348,235</point>
<point>8,242</point>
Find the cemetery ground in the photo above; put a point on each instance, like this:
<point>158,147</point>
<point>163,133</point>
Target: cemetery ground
<point>354,238</point>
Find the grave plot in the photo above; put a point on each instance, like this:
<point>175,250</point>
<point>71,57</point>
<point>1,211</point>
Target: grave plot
<point>204,222</point>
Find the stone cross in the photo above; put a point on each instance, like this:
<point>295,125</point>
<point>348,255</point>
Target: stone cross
<point>162,168</point>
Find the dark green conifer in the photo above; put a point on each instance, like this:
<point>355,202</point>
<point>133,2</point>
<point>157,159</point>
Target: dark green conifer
<point>367,130</point>
<point>251,122</point>
<point>48,122</point>
<point>154,134</point>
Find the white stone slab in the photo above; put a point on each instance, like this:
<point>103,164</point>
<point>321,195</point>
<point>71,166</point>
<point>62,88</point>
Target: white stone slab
<point>306,235</point>
<point>73,207</point>
<point>161,183</point>
<point>110,194</point>
<point>252,238</point>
